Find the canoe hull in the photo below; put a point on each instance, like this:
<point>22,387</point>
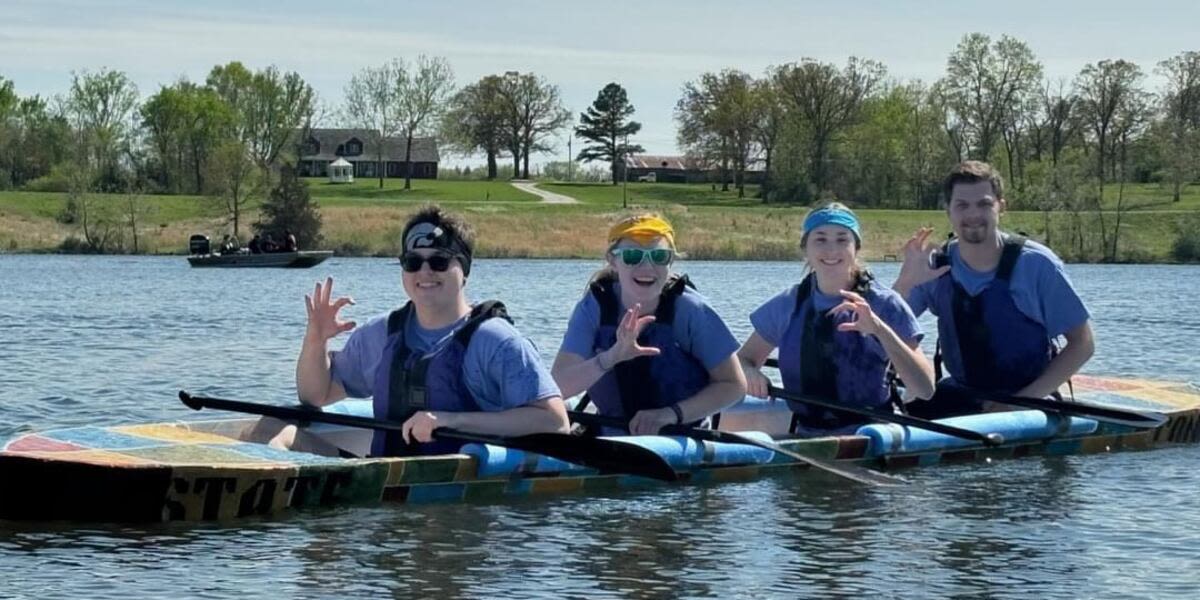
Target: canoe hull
<point>202,471</point>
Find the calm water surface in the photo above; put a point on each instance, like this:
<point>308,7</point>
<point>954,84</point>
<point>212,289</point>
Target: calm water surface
<point>109,340</point>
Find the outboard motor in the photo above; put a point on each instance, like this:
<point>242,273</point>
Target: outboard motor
<point>199,244</point>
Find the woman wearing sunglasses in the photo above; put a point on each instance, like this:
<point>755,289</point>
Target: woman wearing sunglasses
<point>642,342</point>
<point>436,362</point>
<point>837,331</point>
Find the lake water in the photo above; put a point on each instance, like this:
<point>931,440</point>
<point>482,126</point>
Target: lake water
<point>111,340</point>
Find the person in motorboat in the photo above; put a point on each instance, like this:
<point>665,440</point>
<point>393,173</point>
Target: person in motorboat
<point>642,342</point>
<point>837,332</point>
<point>1001,301</point>
<point>436,362</point>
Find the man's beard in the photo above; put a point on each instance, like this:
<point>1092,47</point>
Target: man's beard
<point>974,235</point>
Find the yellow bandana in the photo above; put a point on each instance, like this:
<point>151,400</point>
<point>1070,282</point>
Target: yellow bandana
<point>643,230</point>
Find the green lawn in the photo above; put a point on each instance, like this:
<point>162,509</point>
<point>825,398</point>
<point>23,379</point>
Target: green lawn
<point>649,194</point>
<point>423,190</point>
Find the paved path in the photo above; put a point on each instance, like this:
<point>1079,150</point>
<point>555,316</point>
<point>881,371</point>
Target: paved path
<point>547,197</point>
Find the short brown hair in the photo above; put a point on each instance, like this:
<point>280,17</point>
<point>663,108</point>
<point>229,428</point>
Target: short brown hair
<point>454,224</point>
<point>972,171</point>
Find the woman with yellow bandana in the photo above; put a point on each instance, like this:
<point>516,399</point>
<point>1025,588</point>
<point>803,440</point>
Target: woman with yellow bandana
<point>642,342</point>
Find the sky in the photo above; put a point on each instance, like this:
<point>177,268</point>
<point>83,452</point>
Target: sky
<point>651,47</point>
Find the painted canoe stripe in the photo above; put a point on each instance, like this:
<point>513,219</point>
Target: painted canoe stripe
<point>173,433</point>
<point>436,493</point>
<point>93,457</point>
<point>197,454</point>
<point>275,455</point>
<point>100,438</point>
<point>39,443</point>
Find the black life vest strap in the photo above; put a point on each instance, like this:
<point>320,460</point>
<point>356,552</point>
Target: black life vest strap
<point>407,388</point>
<point>1009,253</point>
<point>604,290</point>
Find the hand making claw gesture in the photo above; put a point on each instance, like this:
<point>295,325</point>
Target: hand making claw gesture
<point>918,266</point>
<point>627,347</point>
<point>323,322</point>
<point>865,320</point>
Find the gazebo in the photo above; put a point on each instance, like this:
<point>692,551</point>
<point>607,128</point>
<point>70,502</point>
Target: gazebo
<point>341,171</point>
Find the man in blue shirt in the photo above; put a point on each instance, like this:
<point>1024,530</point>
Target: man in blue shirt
<point>1001,301</point>
<point>436,362</point>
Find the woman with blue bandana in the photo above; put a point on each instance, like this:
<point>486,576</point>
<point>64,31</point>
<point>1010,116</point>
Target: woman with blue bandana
<point>837,331</point>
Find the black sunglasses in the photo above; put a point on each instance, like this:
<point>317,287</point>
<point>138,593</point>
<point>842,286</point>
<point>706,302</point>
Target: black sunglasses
<point>412,262</point>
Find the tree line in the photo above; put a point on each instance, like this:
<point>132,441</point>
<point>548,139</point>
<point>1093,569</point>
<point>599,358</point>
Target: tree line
<point>814,129</point>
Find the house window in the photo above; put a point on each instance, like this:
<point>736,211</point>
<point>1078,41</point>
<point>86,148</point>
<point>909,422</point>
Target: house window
<point>353,147</point>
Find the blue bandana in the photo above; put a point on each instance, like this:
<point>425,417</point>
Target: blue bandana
<point>832,216</point>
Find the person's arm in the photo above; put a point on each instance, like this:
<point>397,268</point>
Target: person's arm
<point>726,386</point>
<point>1080,346</point>
<point>574,373</point>
<point>751,357</point>
<point>911,364</point>
<point>547,415</point>
<point>314,384</point>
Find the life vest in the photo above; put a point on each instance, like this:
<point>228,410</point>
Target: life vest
<point>839,366</point>
<point>407,382</point>
<point>646,382</point>
<point>969,324</point>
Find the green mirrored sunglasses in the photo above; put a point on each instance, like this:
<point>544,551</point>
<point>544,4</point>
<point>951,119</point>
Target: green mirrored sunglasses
<point>634,256</point>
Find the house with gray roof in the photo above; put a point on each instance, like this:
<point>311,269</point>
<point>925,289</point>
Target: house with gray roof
<point>357,146</point>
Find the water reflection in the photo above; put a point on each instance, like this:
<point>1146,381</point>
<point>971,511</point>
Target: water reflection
<point>86,340</point>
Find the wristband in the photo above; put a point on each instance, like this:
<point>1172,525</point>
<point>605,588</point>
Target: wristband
<point>678,414</point>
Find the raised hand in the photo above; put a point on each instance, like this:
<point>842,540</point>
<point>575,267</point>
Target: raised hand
<point>865,320</point>
<point>918,255</point>
<point>626,346</point>
<point>323,321</point>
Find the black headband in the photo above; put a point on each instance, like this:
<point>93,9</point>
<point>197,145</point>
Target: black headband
<point>436,237</point>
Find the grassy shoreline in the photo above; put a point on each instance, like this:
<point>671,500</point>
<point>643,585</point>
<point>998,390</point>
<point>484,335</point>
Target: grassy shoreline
<point>362,220</point>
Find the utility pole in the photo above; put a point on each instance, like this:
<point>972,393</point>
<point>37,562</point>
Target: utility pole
<point>570,161</point>
<point>625,171</point>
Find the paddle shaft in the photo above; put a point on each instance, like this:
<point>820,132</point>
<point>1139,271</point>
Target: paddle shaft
<point>851,472</point>
<point>604,455</point>
<point>990,439</point>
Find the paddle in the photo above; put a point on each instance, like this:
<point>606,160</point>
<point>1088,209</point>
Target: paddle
<point>989,439</point>
<point>851,472</point>
<point>606,456</point>
<point>1128,418</point>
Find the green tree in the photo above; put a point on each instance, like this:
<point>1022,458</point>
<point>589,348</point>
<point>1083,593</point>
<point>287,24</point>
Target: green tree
<point>1181,119</point>
<point>289,207</point>
<point>99,107</point>
<point>422,97</point>
<point>269,107</point>
<point>533,114</point>
<point>606,127</point>
<point>986,84</point>
<point>475,121</point>
<point>371,104</point>
<point>828,101</point>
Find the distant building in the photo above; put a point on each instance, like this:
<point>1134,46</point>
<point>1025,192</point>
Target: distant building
<point>355,146</point>
<point>340,171</point>
<point>680,169</point>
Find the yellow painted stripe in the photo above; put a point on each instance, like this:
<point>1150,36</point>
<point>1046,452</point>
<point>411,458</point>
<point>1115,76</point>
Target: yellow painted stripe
<point>173,433</point>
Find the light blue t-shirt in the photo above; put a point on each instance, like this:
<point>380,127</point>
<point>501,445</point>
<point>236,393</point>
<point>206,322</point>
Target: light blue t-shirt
<point>697,329</point>
<point>771,320</point>
<point>501,368</point>
<point>1039,286</point>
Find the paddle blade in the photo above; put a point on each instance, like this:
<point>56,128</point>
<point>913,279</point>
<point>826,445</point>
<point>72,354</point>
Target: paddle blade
<point>607,456</point>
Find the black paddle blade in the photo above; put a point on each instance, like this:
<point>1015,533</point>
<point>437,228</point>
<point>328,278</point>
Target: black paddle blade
<point>607,456</point>
<point>1137,419</point>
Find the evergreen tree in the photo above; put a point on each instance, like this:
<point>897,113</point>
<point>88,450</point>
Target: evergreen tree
<point>606,126</point>
<point>290,208</point>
